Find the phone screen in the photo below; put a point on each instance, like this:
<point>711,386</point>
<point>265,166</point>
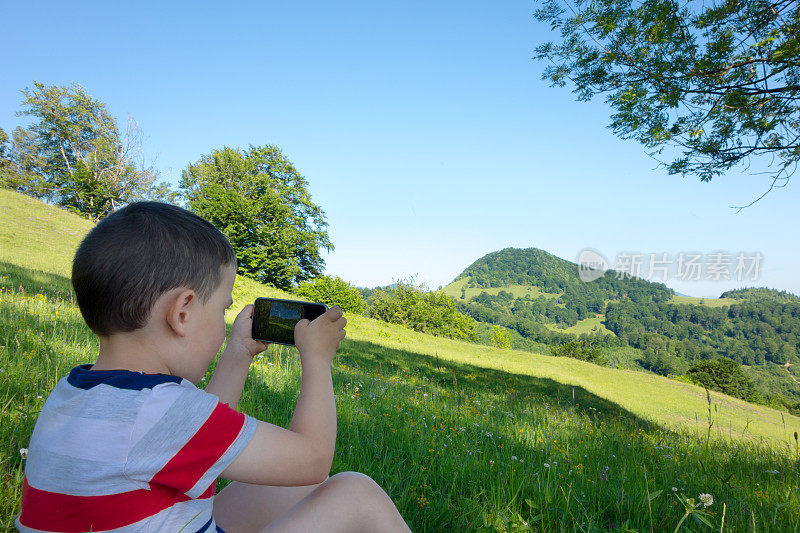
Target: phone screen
<point>274,320</point>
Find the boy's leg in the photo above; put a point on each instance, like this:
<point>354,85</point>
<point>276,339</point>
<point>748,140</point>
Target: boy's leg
<point>246,507</point>
<point>348,501</point>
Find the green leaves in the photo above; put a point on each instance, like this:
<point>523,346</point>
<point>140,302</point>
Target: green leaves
<point>728,73</point>
<point>261,203</point>
<point>332,291</point>
<point>74,154</point>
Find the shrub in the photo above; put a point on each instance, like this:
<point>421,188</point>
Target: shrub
<point>500,337</point>
<point>581,349</point>
<point>723,375</point>
<point>332,291</point>
<point>429,312</point>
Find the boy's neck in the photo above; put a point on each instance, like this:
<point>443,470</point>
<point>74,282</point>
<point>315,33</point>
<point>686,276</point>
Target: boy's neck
<point>117,354</point>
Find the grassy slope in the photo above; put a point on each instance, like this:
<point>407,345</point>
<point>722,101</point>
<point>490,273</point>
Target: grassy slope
<point>403,397</point>
<point>653,397</point>
<point>710,302</point>
<point>519,291</point>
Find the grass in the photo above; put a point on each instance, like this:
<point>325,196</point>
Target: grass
<point>519,291</point>
<point>710,302</point>
<point>461,436</point>
<point>587,325</point>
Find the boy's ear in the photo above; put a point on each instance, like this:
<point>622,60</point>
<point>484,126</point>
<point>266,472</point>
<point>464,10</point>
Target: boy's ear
<point>178,309</point>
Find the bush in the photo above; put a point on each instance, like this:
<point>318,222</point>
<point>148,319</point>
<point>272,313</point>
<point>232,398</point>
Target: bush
<point>500,337</point>
<point>332,291</point>
<point>429,312</point>
<point>582,350</point>
<point>723,375</point>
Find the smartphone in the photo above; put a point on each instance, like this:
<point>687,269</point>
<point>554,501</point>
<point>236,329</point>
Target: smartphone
<point>274,319</point>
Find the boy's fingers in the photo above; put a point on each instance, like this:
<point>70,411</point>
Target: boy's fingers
<point>334,313</point>
<point>303,322</point>
<point>342,322</point>
<point>342,335</point>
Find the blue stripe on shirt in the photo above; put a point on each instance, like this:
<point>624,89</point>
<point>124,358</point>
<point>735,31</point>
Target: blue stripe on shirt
<point>83,378</point>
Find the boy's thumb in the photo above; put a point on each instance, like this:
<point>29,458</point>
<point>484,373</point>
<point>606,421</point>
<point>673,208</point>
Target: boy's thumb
<point>303,322</point>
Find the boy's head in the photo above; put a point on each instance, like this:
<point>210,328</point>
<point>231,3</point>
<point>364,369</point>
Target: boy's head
<point>139,252</point>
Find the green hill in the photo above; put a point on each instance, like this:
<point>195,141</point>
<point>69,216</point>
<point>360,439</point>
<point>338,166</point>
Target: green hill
<point>461,436</point>
<point>542,301</point>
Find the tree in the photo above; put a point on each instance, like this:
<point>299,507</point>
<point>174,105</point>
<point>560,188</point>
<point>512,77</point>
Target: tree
<point>74,154</point>
<point>261,203</point>
<point>718,81</point>
<point>332,291</point>
<point>430,312</point>
<point>723,375</point>
<point>500,337</point>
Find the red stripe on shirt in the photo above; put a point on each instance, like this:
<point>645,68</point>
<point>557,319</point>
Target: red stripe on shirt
<point>53,511</point>
<point>208,444</point>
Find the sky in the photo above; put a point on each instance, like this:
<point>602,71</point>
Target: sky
<point>424,130</point>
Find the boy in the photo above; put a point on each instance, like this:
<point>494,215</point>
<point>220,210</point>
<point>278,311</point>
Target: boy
<point>131,444</point>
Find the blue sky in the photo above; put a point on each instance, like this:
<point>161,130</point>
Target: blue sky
<point>424,129</point>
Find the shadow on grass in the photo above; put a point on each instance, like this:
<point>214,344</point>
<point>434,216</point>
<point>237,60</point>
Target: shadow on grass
<point>448,462</point>
<point>31,282</point>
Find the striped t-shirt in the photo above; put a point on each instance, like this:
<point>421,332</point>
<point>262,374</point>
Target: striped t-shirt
<point>123,451</point>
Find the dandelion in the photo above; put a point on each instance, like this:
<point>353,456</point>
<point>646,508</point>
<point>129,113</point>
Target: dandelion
<point>23,452</point>
<point>674,489</point>
<point>547,465</point>
<point>707,499</point>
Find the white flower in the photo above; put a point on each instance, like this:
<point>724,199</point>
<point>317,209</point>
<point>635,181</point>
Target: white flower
<point>513,457</point>
<point>547,465</point>
<point>707,499</point>
<point>23,452</point>
<point>674,489</point>
<point>772,471</point>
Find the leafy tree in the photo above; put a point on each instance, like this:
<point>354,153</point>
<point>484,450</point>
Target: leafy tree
<point>74,154</point>
<point>429,312</point>
<point>718,81</point>
<point>262,204</point>
<point>500,337</point>
<point>577,349</point>
<point>723,375</point>
<point>332,291</point>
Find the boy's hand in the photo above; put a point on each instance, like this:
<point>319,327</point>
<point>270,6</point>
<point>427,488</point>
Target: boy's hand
<point>241,338</point>
<point>319,340</point>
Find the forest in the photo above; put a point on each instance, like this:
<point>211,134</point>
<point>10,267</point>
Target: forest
<point>759,332</point>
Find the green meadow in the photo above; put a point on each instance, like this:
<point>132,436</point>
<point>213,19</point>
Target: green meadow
<point>463,437</point>
<point>518,291</point>
<point>710,302</point>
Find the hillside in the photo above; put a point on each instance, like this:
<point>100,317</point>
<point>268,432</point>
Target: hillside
<point>540,299</point>
<point>462,436</point>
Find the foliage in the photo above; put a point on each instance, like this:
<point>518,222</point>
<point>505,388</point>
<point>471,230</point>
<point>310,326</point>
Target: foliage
<point>429,312</point>
<point>760,293</point>
<point>500,338</point>
<point>74,154</point>
<point>723,375</point>
<point>332,291</point>
<point>718,81</point>
<point>577,349</point>
<point>517,427</point>
<point>259,200</point>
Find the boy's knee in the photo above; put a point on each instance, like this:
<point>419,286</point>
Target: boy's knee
<point>356,485</point>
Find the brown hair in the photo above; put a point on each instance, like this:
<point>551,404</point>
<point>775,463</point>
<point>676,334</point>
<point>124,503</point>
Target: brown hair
<point>137,253</point>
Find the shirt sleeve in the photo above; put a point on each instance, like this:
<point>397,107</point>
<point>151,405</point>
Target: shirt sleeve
<point>184,438</point>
